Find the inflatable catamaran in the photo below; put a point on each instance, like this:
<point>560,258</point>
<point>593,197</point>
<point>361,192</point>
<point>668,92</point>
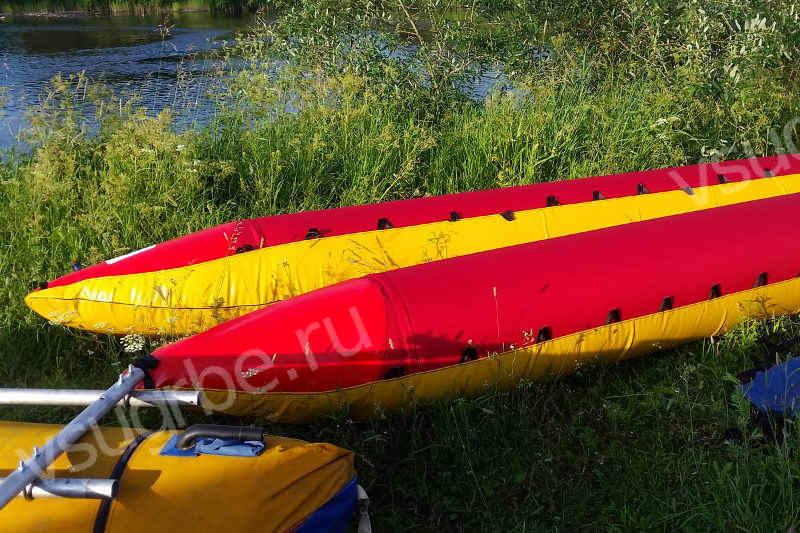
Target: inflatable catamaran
<point>533,310</point>
<point>444,298</point>
<point>457,326</point>
<point>193,283</point>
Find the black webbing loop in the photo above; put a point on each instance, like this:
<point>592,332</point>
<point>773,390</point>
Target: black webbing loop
<point>508,215</point>
<point>666,304</point>
<point>641,189</point>
<point>722,179</point>
<point>552,201</point>
<point>454,216</point>
<point>469,354</point>
<point>597,195</point>
<point>244,248</point>
<point>147,363</point>
<point>715,292</point>
<point>613,317</point>
<point>383,223</point>
<point>313,233</point>
<point>545,334</point>
<point>761,280</point>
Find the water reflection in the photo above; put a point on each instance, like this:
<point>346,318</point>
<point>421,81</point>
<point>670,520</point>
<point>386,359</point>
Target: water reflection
<point>145,56</point>
<point>131,54</point>
<point>71,39</point>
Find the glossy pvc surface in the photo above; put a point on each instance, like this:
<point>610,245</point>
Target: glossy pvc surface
<point>437,314</point>
<point>544,360</point>
<point>224,240</point>
<point>191,299</point>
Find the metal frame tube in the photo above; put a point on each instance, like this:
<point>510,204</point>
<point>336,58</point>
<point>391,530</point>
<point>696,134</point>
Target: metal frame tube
<point>32,469</point>
<point>77,488</point>
<point>78,397</point>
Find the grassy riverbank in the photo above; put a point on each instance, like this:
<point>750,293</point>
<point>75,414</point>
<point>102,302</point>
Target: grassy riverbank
<point>368,109</point>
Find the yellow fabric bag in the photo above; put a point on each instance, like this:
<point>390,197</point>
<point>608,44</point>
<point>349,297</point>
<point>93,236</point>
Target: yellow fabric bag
<point>272,492</point>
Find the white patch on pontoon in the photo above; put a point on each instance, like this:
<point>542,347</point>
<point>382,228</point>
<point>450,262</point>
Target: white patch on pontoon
<point>120,258</point>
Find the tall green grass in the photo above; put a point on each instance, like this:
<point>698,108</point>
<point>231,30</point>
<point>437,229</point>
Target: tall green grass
<point>628,86</point>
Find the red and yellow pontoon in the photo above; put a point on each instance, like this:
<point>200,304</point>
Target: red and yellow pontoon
<point>188,285</point>
<point>534,311</point>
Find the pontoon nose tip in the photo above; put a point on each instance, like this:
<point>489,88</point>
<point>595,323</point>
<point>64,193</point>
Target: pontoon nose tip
<point>39,286</point>
<point>34,298</point>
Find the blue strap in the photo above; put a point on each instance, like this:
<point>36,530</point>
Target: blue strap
<point>229,447</point>
<point>212,446</point>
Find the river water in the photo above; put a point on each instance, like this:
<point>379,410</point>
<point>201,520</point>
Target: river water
<point>131,54</point>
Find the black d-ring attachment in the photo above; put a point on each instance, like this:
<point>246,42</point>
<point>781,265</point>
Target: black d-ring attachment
<point>761,280</point>
<point>508,215</point>
<point>454,216</point>
<point>545,334</point>
<point>313,233</point>
<point>613,317</point>
<point>715,292</point>
<point>666,304</point>
<point>597,195</point>
<point>688,190</point>
<point>768,173</point>
<point>244,248</point>
<point>383,223</point>
<point>641,189</point>
<point>469,354</point>
<point>552,201</point>
<point>722,179</point>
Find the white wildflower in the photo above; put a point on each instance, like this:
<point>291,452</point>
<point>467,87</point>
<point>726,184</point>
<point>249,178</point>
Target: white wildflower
<point>132,343</point>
